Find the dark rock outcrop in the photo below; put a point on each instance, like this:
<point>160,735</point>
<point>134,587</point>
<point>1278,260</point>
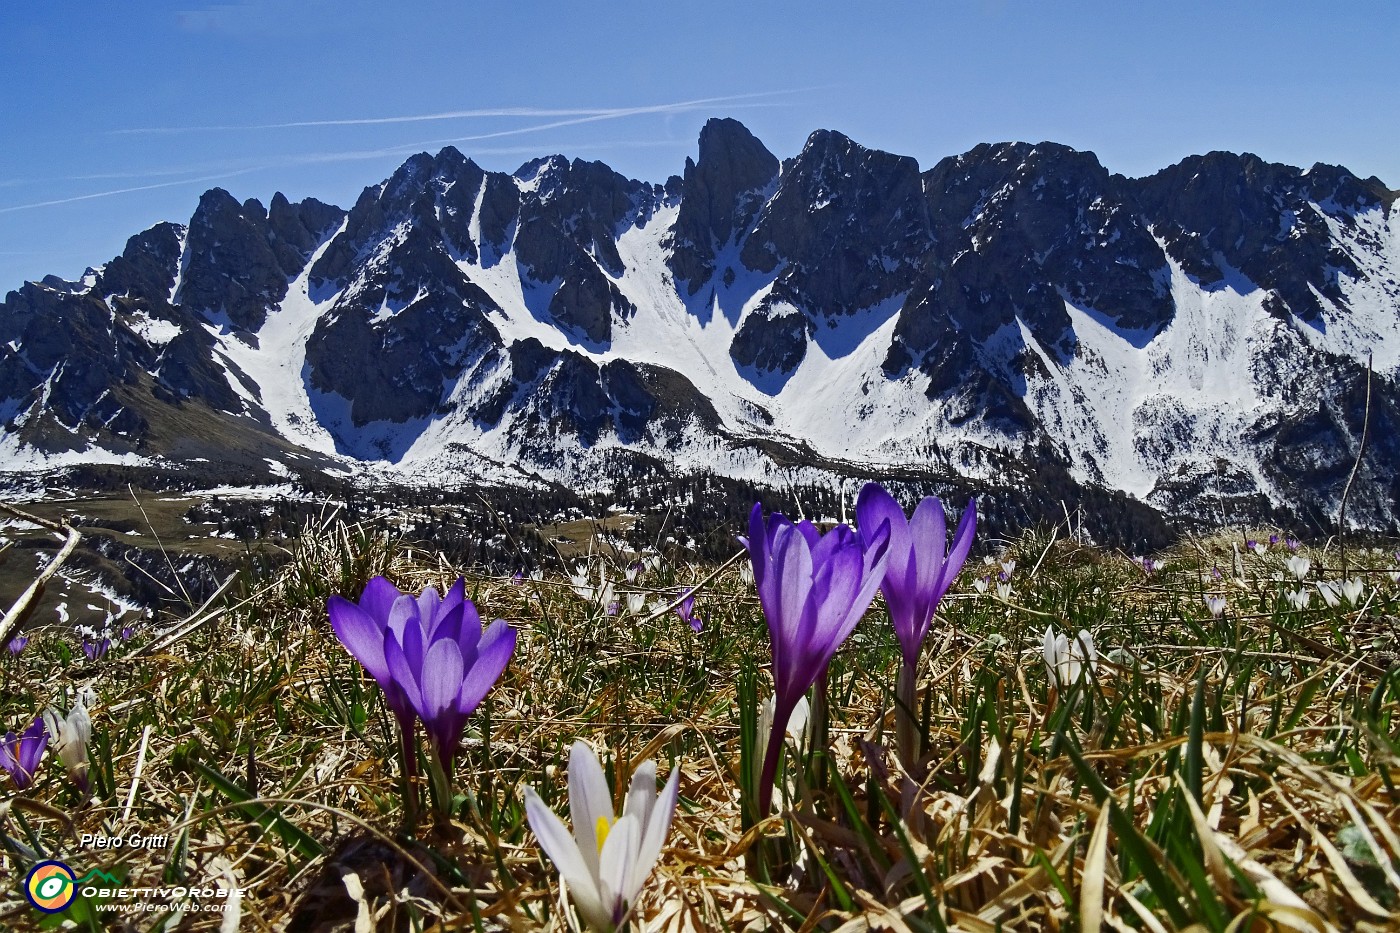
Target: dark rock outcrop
<point>721,194</point>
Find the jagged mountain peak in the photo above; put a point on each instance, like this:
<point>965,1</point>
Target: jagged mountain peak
<point>540,168</point>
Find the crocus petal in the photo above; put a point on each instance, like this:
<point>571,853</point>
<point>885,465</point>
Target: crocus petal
<point>836,584</point>
<point>655,828</point>
<point>403,614</point>
<point>641,793</point>
<point>494,651</point>
<point>468,630</point>
<point>615,866</point>
<point>405,677</point>
<point>756,543</point>
<point>378,599</point>
<point>361,635</point>
<point>448,620</point>
<point>874,559</point>
<point>428,602</point>
<point>874,507</point>
<point>441,680</point>
<point>929,528</point>
<point>962,545</point>
<point>589,800</point>
<point>7,758</point>
<point>1084,647</point>
<point>564,851</point>
<point>20,756</point>
<point>789,589</point>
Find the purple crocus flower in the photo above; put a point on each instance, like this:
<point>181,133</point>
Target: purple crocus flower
<point>429,654</point>
<point>813,589</point>
<point>20,756</point>
<point>916,578</point>
<point>517,578</point>
<point>18,643</point>
<point>918,573</point>
<point>686,610</point>
<point>96,649</point>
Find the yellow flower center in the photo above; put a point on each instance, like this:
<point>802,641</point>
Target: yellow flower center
<point>601,830</point>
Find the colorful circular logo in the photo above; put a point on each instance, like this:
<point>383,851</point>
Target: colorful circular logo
<point>51,886</point>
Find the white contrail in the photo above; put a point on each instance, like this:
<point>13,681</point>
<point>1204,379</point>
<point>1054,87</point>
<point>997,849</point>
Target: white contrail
<point>584,116</point>
<point>362,121</point>
<point>407,148</point>
<point>326,157</point>
<point>598,113</point>
<point>106,194</point>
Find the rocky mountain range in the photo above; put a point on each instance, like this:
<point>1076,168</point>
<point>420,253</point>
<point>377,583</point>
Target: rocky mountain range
<point>1195,342</point>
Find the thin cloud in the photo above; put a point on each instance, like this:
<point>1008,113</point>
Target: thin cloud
<point>588,113</point>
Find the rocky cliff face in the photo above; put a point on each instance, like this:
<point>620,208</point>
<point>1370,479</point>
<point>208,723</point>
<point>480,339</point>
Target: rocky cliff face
<point>1197,339</point>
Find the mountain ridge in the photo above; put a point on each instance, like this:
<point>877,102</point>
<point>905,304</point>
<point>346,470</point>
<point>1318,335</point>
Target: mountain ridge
<point>1195,338</point>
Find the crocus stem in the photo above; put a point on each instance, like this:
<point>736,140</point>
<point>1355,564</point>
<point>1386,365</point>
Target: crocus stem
<point>440,771</point>
<point>410,770</point>
<point>407,732</point>
<point>906,726</point>
<point>907,738</point>
<point>821,716</point>
<point>782,712</point>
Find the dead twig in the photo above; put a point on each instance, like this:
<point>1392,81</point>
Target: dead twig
<point>21,606</point>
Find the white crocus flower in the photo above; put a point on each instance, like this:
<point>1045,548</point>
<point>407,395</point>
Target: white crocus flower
<point>579,581</point>
<point>980,584</point>
<point>636,602</point>
<point>1008,567</point>
<point>1065,660</point>
<point>1352,590</point>
<point>1298,566</point>
<point>796,724</point>
<point>1004,592</point>
<point>796,730</point>
<point>607,858</point>
<point>71,735</point>
<point>1299,599</point>
<point>1216,605</point>
<point>1329,594</point>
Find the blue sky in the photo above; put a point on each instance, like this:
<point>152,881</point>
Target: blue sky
<point>116,116</point>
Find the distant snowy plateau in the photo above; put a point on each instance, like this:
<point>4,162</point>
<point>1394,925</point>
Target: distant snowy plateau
<point>1197,339</point>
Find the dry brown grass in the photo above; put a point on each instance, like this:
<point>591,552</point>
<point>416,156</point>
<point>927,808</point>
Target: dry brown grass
<point>1230,755</point>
